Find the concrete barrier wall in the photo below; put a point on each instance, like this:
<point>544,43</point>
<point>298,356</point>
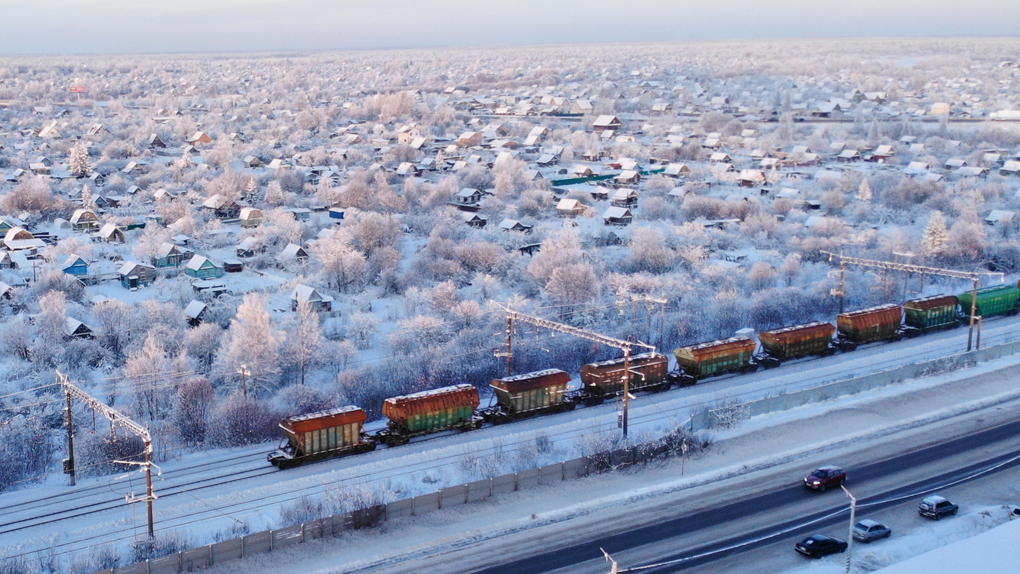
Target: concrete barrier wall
<point>426,503</point>
<point>713,418</point>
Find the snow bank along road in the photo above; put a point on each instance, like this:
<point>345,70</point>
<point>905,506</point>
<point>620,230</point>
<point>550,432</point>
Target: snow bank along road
<point>207,492</point>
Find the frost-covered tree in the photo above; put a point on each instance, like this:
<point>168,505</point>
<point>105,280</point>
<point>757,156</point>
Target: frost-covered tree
<point>251,190</point>
<point>864,193</point>
<point>148,370</point>
<point>275,195</point>
<point>936,235</point>
<point>79,164</point>
<point>304,338</point>
<point>342,264</point>
<point>573,286</point>
<point>252,342</point>
<point>86,198</point>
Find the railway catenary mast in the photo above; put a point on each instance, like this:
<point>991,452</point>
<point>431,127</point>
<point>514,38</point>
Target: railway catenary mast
<point>116,419</point>
<point>625,346</point>
<point>974,276</point>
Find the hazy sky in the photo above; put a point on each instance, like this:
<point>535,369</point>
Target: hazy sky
<point>131,26</point>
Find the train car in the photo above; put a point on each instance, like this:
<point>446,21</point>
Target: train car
<point>869,325</point>
<point>427,412</point>
<point>991,301</point>
<point>320,435</point>
<point>648,371</point>
<point>930,313</point>
<point>529,394</point>
<point>715,358</point>
<point>796,342</point>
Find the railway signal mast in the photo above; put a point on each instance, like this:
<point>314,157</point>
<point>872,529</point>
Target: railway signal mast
<point>116,419</point>
<point>921,270</point>
<point>625,346</point>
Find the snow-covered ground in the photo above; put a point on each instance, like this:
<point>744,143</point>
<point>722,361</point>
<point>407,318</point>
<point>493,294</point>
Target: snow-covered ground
<point>890,413</point>
<point>209,493</point>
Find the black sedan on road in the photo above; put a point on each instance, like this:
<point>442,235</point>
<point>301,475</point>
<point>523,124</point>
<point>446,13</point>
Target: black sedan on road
<point>820,545</point>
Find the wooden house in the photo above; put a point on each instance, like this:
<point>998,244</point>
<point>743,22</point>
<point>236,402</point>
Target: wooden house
<point>134,275</point>
<point>111,234</point>
<point>624,198</point>
<point>618,216</point>
<point>250,217</point>
<point>628,177</point>
<point>292,252</point>
<point>201,267</point>
<point>514,225</point>
<point>75,266</point>
<point>475,220</point>
<point>84,220</point>
<point>470,139</point>
<point>75,329</point>
<point>468,196</point>
<point>199,138</point>
<point>569,208</point>
<point>305,294</point>
<point>155,142</point>
<point>168,255</point>
<point>676,170</point>
<point>606,123</point>
<point>195,312</point>
<point>222,206</point>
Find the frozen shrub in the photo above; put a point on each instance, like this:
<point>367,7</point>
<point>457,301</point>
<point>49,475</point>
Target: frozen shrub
<point>300,511</point>
<point>98,558</point>
<point>162,544</point>
<point>236,530</point>
<point>16,564</point>
<point>240,421</point>
<point>25,451</point>
<point>95,452</point>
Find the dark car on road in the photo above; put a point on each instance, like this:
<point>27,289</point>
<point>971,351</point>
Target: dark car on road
<point>825,477</point>
<point>820,545</point>
<point>935,507</point>
<point>868,530</point>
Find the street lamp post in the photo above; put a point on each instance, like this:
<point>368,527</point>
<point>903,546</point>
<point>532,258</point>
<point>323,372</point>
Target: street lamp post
<point>853,517</point>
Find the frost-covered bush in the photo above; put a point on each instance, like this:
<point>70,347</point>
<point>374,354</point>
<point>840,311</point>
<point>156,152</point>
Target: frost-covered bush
<point>239,421</point>
<point>25,451</point>
<point>163,544</point>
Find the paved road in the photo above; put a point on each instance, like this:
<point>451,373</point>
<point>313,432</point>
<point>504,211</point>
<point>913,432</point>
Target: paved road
<point>750,520</point>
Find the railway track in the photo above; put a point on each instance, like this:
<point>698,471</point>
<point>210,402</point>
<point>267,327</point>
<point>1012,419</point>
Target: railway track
<point>376,467</point>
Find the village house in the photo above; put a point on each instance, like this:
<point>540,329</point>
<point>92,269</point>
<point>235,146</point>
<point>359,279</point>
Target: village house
<point>75,266</point>
<point>619,216</point>
<point>75,329</point>
<point>111,234</point>
<point>194,312</point>
<point>624,198</point>
<point>222,207</point>
<point>305,294</point>
<point>168,255</point>
<point>569,208</point>
<point>292,252</point>
<point>84,220</point>
<point>250,217</point>
<point>201,267</point>
<point>199,138</point>
<point>134,275</point>
<point>514,225</point>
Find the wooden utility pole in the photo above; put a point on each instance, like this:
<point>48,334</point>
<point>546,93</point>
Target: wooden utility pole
<point>974,276</point>
<point>625,346</point>
<point>69,463</point>
<point>116,419</point>
<point>616,566</point>
<point>509,354</point>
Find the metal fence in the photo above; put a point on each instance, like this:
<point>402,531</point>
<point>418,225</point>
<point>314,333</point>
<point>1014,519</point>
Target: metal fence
<point>726,415</point>
<point>270,540</point>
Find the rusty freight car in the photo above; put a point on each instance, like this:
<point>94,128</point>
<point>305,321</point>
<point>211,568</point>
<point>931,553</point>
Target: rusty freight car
<point>715,358</point>
<point>648,371</point>
<point>529,394</point>
<point>796,342</point>
<point>427,412</point>
<point>320,435</point>
<point>869,325</point>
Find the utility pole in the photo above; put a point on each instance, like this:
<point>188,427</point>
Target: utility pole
<point>853,519</point>
<point>69,463</point>
<point>116,419</point>
<point>625,346</point>
<point>974,276</point>
<point>509,354</point>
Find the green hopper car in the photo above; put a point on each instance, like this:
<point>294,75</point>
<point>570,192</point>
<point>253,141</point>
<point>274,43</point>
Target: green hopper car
<point>936,312</point>
<point>991,301</point>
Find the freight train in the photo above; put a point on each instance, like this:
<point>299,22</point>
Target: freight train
<point>340,432</point>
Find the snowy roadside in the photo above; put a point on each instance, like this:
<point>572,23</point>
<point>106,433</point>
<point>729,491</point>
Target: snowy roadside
<point>914,409</point>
